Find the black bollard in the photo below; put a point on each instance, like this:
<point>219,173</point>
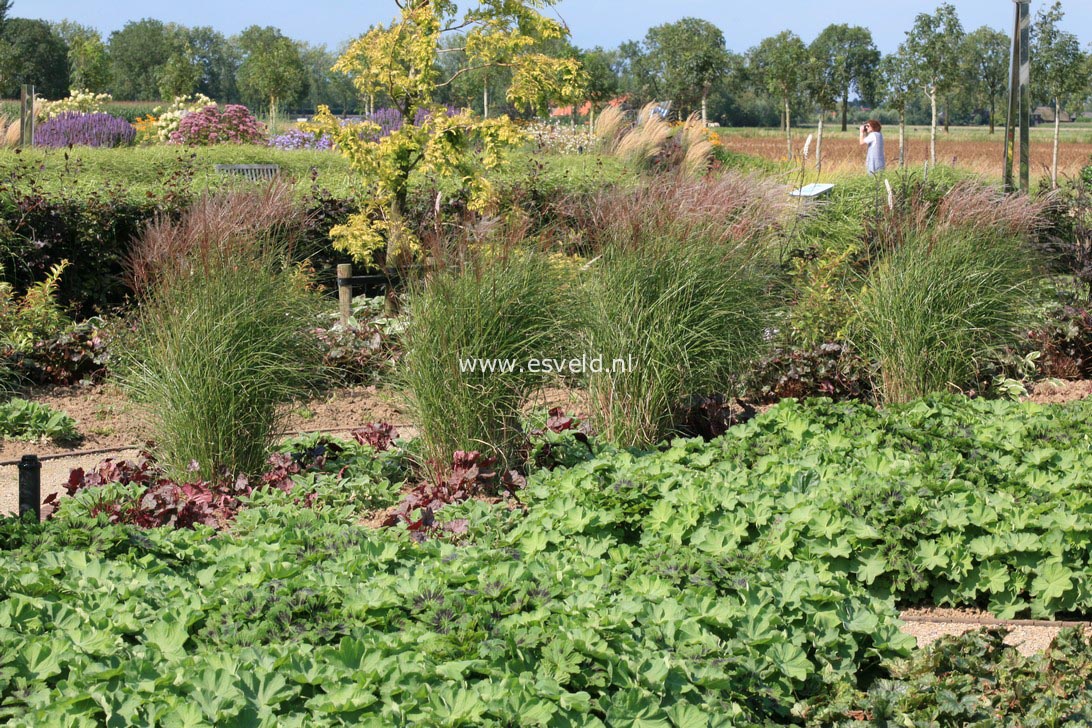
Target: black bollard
<point>30,486</point>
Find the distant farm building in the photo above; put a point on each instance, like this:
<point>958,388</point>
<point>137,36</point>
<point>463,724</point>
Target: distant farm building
<point>1045,115</point>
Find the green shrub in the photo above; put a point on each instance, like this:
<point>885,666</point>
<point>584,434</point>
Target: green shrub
<point>220,344</point>
<point>942,304</point>
<point>498,307</point>
<point>24,420</point>
<point>35,315</point>
<point>26,320</point>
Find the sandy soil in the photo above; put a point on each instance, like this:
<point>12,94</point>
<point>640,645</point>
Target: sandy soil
<point>108,421</point>
<point>927,624</point>
<point>1059,391</point>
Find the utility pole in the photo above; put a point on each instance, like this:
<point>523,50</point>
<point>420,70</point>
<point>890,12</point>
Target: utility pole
<point>1019,97</point>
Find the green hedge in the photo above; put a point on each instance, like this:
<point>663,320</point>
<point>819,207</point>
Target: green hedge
<point>86,205</point>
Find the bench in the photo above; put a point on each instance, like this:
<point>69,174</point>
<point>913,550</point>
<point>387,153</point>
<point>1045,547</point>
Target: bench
<point>810,195</point>
<point>252,172</point>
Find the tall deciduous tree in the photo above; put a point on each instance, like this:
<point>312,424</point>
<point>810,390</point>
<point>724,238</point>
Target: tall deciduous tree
<point>137,54</point>
<point>1059,69</point>
<point>851,61</point>
<point>400,60</point>
<point>897,85</point>
<point>324,85</point>
<point>181,74</point>
<point>987,52</point>
<point>218,60</point>
<point>31,52</point>
<point>636,74</point>
<point>88,64</point>
<point>822,85</point>
<point>602,80</point>
<point>779,64</point>
<point>689,56</point>
<point>272,69</point>
<point>933,45</point>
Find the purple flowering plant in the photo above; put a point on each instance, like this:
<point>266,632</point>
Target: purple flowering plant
<point>297,139</point>
<point>92,130</point>
<point>390,120</point>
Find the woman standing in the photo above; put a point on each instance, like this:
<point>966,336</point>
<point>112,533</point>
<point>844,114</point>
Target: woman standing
<point>871,136</point>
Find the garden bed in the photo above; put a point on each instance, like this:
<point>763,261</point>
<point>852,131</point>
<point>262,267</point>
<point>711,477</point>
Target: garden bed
<point>754,578</point>
<point>111,427</point>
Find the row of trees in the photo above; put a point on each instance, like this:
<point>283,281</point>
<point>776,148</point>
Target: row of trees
<point>940,72</point>
<point>150,60</point>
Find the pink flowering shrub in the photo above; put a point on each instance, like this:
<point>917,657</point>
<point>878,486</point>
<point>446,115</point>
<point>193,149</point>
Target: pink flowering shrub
<point>233,124</point>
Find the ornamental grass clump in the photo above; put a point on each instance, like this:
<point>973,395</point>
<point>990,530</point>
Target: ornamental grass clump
<point>220,344</point>
<point>495,308</point>
<point>941,305</point>
<point>683,290</point>
<point>610,125</point>
<point>92,130</point>
<point>645,140</point>
<point>950,283</point>
<point>696,147</point>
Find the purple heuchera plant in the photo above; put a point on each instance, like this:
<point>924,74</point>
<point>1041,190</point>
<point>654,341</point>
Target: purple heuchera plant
<point>296,139</point>
<point>234,124</point>
<point>92,130</point>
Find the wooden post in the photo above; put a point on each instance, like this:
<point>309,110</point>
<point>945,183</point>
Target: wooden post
<point>344,292</point>
<point>26,115</point>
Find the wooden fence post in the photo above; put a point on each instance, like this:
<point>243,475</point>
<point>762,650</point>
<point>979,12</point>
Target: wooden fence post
<point>26,115</point>
<point>345,292</point>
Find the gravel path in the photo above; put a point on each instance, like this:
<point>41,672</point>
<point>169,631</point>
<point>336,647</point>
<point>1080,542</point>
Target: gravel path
<point>930,623</point>
<point>54,475</point>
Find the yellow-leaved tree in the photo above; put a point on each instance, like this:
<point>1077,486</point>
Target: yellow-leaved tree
<point>401,62</point>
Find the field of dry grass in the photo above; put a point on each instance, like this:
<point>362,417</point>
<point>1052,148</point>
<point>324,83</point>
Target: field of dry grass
<point>973,149</point>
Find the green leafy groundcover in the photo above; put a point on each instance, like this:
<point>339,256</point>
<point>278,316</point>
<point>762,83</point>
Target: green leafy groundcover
<point>748,581</point>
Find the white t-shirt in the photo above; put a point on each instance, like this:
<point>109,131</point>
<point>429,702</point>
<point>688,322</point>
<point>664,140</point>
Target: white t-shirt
<point>875,160</point>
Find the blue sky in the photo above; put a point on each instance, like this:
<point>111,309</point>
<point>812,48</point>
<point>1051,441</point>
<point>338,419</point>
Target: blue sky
<point>593,22</point>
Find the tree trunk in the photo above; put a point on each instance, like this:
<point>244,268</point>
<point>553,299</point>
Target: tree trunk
<point>902,138</point>
<point>845,108</point>
<point>1054,158</point>
<point>788,130</point>
<point>819,144</point>
<point>992,105</point>
<point>705,109</point>
<point>933,129</point>
<point>591,118</point>
<point>272,115</point>
<point>485,100</point>
<point>397,247</point>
